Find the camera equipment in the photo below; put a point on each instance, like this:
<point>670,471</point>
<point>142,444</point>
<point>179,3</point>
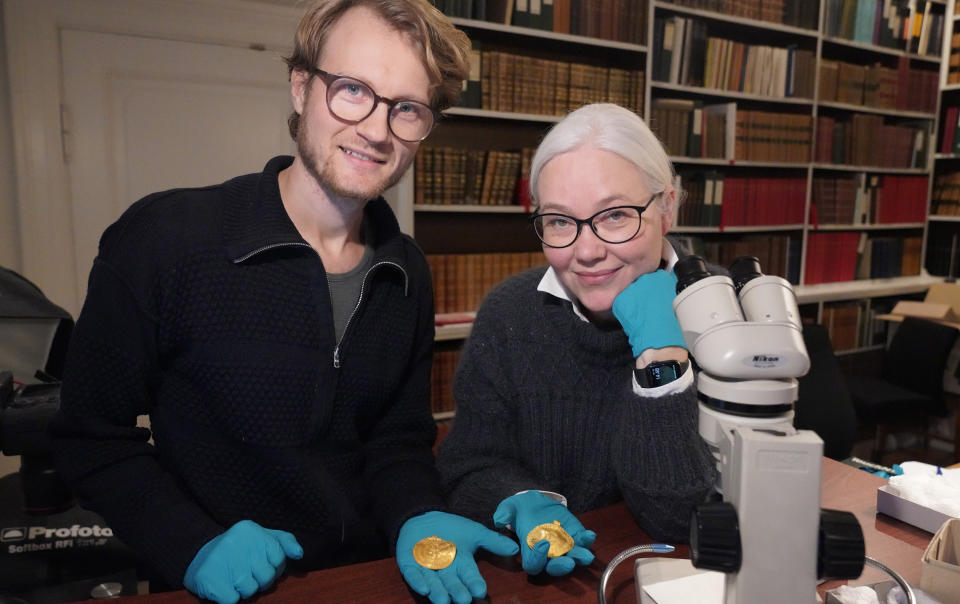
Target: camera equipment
<point>51,550</point>
<point>25,414</point>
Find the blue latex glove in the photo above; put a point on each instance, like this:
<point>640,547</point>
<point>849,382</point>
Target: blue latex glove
<point>897,471</point>
<point>645,311</point>
<point>461,581</point>
<point>524,511</point>
<point>240,562</point>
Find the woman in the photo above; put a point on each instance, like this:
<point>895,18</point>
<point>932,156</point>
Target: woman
<point>574,388</point>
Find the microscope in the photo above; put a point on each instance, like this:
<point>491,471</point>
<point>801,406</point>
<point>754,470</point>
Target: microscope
<point>768,534</point>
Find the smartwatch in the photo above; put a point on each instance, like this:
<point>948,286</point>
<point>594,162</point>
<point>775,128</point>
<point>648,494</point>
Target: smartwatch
<point>660,373</point>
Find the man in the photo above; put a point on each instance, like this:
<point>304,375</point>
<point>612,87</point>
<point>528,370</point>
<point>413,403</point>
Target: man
<point>278,330</point>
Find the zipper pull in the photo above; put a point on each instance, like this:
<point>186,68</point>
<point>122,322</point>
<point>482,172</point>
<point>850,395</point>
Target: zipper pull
<point>336,357</point>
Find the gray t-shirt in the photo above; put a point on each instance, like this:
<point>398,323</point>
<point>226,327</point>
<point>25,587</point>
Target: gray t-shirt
<point>345,289</point>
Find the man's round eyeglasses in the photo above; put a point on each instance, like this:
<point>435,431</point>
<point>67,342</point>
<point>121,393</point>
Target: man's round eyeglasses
<point>352,100</point>
<point>618,224</point>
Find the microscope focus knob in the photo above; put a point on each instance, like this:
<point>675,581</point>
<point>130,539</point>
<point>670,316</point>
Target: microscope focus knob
<point>840,550</point>
<point>715,537</point>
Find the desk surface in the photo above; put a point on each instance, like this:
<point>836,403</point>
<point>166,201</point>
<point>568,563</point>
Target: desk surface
<point>894,543</point>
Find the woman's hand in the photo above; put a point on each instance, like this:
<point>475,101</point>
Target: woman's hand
<point>645,311</point>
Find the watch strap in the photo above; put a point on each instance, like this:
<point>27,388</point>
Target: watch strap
<point>660,373</point>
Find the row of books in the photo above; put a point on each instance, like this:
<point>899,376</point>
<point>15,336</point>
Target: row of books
<point>620,20</point>
<point>915,26</point>
<point>688,128</point>
<point>903,88</point>
<point>852,325</point>
<point>943,254</point>
<point>770,136</point>
<point>946,194</point>
<point>685,54</point>
<point>869,199</point>
<point>778,254</point>
<point>847,256</point>
<point>797,13</point>
<point>460,281</point>
<point>953,63</point>
<point>680,125</point>
<point>866,140</point>
<point>524,84</point>
<point>885,257</point>
<point>453,176</point>
<point>844,323</point>
<point>716,199</point>
<point>949,136</point>
<point>441,380</point>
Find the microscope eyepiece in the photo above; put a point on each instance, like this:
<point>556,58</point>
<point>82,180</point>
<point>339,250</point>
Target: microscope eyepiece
<point>743,270</point>
<point>689,270</point>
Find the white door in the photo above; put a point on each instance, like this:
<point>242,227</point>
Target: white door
<point>143,115</point>
<point>150,95</point>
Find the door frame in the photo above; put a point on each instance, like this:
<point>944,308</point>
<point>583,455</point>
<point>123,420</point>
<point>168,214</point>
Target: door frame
<point>32,31</point>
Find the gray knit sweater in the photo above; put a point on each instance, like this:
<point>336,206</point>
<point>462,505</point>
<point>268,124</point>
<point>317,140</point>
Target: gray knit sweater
<point>545,401</point>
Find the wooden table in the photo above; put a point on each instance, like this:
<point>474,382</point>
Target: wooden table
<point>894,543</point>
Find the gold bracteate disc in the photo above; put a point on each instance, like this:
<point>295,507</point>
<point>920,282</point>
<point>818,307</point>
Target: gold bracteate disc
<point>560,540</point>
<point>434,553</point>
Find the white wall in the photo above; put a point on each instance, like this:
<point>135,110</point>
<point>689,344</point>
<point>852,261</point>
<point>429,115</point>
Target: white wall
<point>9,236</point>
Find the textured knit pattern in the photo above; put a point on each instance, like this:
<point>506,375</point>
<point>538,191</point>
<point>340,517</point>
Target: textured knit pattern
<point>545,401</point>
<point>208,311</point>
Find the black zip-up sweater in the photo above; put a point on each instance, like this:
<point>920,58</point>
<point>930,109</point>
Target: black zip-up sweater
<point>208,312</point>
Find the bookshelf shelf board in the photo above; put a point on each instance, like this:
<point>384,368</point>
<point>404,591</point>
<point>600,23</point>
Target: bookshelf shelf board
<point>731,94</point>
<point>502,115</point>
<point>866,288</point>
<point>426,207</point>
<point>694,229</point>
<point>880,169</point>
<point>717,161</point>
<point>950,88</point>
<point>442,415</point>
<point>935,218</point>
<point>879,110</point>
<point>868,227</point>
<point>755,23</point>
<point>879,49</point>
<point>529,32</point>
<point>946,156</point>
<point>454,331</point>
<point>859,349</point>
<point>763,228</point>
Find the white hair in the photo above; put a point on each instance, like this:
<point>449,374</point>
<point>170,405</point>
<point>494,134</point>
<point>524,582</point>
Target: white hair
<point>612,128</point>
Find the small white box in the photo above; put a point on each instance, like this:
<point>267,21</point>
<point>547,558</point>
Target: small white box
<point>908,511</point>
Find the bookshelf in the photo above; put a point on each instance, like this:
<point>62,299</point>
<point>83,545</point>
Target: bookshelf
<point>943,237</point>
<point>802,135</point>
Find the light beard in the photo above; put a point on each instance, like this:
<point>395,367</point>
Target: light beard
<point>325,175</point>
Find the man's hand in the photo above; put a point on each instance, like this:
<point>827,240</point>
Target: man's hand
<point>525,511</point>
<point>240,562</point>
<point>645,311</point>
<point>461,580</point>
